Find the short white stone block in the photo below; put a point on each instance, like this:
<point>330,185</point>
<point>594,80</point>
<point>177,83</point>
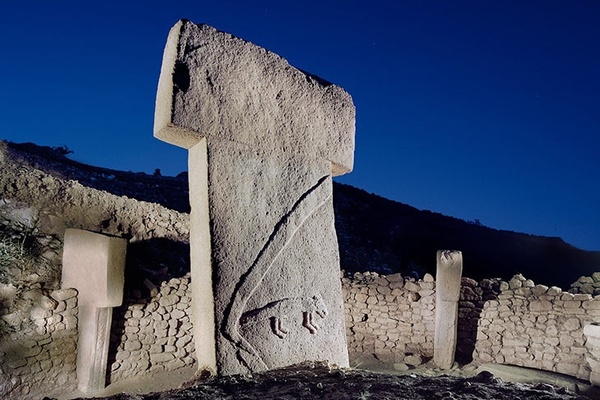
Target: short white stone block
<point>94,264</point>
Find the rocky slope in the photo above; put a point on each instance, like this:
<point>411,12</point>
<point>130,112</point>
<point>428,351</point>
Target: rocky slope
<point>377,234</point>
<point>374,233</point>
<point>42,194</point>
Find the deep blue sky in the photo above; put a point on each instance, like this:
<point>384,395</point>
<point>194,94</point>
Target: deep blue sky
<point>484,110</point>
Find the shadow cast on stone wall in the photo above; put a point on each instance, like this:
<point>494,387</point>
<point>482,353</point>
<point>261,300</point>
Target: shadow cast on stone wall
<point>473,296</point>
<point>150,264</point>
<point>154,261</point>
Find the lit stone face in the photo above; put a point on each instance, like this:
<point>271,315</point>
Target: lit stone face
<point>264,141</point>
<point>448,278</point>
<point>592,335</point>
<point>94,264</point>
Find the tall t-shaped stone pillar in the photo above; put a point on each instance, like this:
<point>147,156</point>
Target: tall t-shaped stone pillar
<point>94,264</point>
<point>264,140</point>
<point>447,295</point>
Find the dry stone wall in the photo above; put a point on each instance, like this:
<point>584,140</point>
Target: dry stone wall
<point>148,335</point>
<point>390,317</point>
<point>42,204</point>
<point>587,285</point>
<point>536,326</point>
<point>393,317</point>
<point>473,296</point>
<point>515,322</point>
<point>41,350</point>
<point>153,336</point>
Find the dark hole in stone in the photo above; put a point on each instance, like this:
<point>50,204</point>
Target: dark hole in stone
<point>181,76</point>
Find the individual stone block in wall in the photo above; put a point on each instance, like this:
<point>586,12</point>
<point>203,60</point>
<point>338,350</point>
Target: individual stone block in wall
<point>592,334</point>
<point>94,264</point>
<point>448,280</point>
<point>264,141</point>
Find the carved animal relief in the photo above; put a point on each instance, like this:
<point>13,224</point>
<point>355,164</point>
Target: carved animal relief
<point>264,141</point>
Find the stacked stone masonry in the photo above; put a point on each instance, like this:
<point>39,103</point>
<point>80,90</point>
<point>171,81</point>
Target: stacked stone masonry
<point>393,317</point>
<point>473,297</point>
<point>390,317</point>
<point>40,349</point>
<point>43,204</point>
<point>148,336</point>
<point>587,285</point>
<point>515,322</point>
<point>537,326</point>
<point>153,335</point>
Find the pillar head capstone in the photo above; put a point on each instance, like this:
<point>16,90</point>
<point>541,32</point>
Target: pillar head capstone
<point>448,275</point>
<point>244,93</point>
<point>94,264</point>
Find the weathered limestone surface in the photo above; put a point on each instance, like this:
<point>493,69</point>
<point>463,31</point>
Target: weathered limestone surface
<point>449,274</point>
<point>224,88</point>
<point>94,264</point>
<point>264,140</point>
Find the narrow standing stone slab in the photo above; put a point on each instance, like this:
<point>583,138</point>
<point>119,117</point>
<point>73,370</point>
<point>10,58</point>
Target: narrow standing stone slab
<point>92,347</point>
<point>94,264</point>
<point>264,141</point>
<point>448,278</point>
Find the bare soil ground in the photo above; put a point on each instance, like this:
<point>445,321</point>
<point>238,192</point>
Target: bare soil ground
<point>317,381</point>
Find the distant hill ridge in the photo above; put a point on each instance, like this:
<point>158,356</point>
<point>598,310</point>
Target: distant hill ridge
<point>374,233</point>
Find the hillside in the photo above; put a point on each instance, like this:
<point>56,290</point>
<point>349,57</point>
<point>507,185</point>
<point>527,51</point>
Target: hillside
<point>380,234</point>
<point>374,233</point>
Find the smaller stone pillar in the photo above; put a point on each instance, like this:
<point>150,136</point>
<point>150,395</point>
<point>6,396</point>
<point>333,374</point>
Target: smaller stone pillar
<point>592,343</point>
<point>448,276</point>
<point>94,264</point>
